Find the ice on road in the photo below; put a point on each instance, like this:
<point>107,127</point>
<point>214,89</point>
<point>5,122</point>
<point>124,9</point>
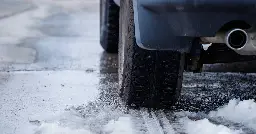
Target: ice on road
<point>56,79</point>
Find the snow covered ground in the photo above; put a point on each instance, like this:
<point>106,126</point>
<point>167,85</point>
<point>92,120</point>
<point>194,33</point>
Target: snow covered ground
<point>56,79</point>
<point>236,117</point>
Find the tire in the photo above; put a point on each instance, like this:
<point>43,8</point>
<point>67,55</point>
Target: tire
<point>151,79</point>
<point>109,25</point>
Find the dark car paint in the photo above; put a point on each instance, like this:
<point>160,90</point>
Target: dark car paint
<point>174,24</point>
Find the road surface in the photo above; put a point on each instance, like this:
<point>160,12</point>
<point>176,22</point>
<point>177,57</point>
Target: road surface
<point>56,79</point>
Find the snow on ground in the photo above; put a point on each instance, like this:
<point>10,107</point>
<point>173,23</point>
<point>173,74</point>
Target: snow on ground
<point>28,96</point>
<point>72,122</point>
<point>238,111</point>
<point>241,112</point>
<point>65,123</point>
<point>206,127</point>
<point>54,128</point>
<point>20,26</point>
<point>33,101</point>
<point>121,126</point>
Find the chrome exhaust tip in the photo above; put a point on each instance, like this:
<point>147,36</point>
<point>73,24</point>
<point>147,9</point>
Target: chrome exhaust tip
<point>236,38</point>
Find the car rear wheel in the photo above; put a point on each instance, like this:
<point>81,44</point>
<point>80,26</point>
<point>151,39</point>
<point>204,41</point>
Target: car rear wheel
<point>150,79</point>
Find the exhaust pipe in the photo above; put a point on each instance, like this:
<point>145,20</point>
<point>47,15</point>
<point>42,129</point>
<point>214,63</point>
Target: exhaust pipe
<point>236,39</point>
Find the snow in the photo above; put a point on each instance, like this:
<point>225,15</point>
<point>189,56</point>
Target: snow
<point>64,123</point>
<point>122,126</point>
<point>33,101</point>
<point>53,128</point>
<point>12,32</point>
<point>35,95</point>
<point>241,112</point>
<point>238,111</point>
<point>205,127</point>
<point>71,122</point>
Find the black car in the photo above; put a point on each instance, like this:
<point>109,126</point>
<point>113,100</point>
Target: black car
<point>157,40</point>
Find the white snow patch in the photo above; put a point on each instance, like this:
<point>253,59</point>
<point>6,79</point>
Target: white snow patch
<point>68,122</point>
<point>54,128</point>
<point>238,111</point>
<point>122,126</point>
<point>206,127</point>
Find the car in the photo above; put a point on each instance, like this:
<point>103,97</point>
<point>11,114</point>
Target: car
<point>157,40</point>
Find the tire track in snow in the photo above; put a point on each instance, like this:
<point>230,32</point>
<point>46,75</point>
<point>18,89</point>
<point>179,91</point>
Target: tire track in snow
<point>174,121</point>
<point>138,121</point>
<point>152,123</point>
<point>165,123</point>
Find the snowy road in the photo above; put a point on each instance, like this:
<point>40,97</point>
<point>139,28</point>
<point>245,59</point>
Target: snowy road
<point>56,79</point>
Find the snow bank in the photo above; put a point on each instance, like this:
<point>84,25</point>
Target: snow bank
<point>238,111</point>
<point>206,127</point>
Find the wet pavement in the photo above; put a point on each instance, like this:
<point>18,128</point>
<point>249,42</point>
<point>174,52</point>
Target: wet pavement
<point>56,79</point>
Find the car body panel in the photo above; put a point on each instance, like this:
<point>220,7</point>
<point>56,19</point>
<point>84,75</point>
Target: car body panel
<point>174,24</point>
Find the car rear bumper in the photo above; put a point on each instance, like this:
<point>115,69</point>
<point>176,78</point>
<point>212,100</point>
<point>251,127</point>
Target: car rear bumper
<point>173,24</point>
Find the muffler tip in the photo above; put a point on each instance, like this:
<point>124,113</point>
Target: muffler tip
<point>237,38</point>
